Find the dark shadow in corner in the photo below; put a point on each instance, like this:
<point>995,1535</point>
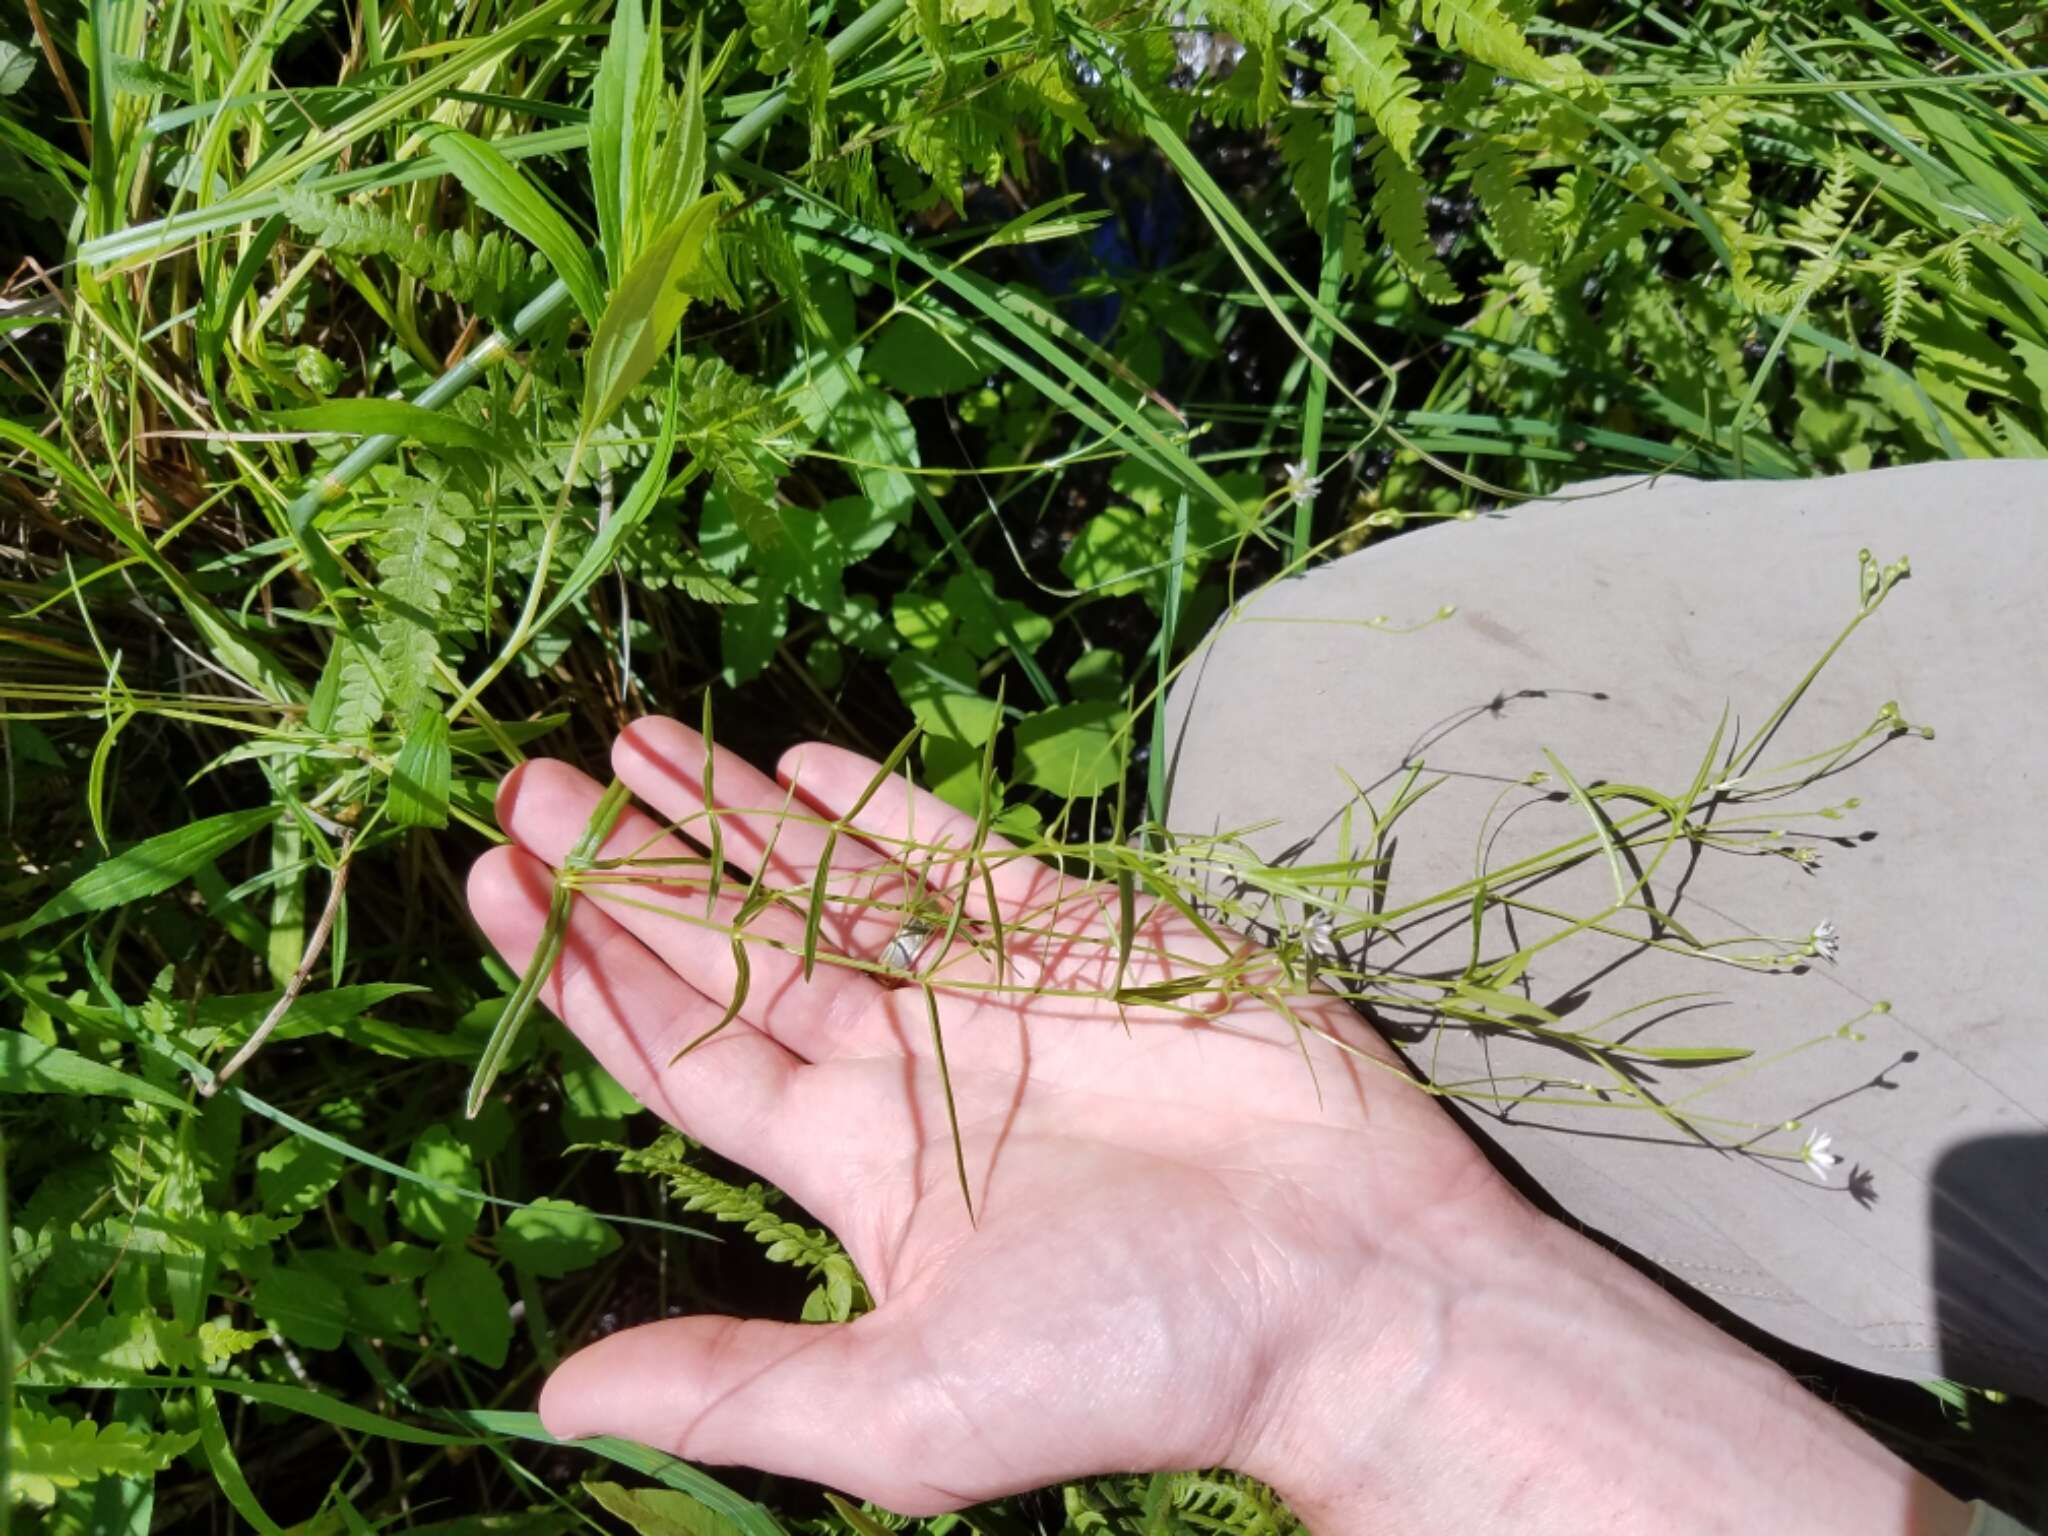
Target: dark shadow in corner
<point>1988,1208</point>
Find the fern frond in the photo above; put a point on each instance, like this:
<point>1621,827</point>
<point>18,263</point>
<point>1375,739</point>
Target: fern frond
<point>1711,129</point>
<point>1224,1501</point>
<point>1516,220</point>
<point>419,564</point>
<point>494,274</point>
<point>1304,144</point>
<point>1816,226</point>
<point>1483,31</point>
<point>49,1452</point>
<point>1369,63</point>
<point>733,424</point>
<point>751,1209</point>
<point>1360,56</point>
<point>1400,209</point>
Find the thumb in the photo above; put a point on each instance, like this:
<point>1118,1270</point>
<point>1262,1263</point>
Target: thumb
<point>827,1403</point>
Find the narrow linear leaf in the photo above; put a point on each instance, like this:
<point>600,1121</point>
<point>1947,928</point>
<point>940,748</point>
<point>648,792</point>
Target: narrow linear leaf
<point>931,1007</point>
<point>148,869</point>
<point>29,1066</point>
<point>395,418</point>
<point>508,194</point>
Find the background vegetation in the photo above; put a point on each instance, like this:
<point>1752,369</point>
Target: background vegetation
<point>945,362</point>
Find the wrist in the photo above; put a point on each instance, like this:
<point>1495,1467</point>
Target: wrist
<point>1525,1375</point>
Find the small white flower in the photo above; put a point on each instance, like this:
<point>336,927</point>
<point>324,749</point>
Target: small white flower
<point>1319,940</point>
<point>1826,942</point>
<point>1301,485</point>
<point>1816,1156</point>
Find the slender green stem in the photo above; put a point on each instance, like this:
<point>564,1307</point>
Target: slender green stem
<point>1343,134</point>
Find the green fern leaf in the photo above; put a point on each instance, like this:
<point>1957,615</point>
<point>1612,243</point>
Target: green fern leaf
<point>49,1452</point>
<point>1366,61</point>
<point>419,567</point>
<point>1399,209</point>
<point>494,274</point>
<point>780,29</point>
<point>1481,30</point>
<point>734,426</point>
<point>1518,224</point>
<point>1712,129</point>
<point>1305,149</point>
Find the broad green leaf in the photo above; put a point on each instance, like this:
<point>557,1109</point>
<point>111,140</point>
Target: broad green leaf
<point>438,1155</point>
<point>983,618</point>
<point>941,688</point>
<point>595,1106</point>
<point>295,1175</point>
<point>914,360</point>
<point>1072,749</point>
<point>16,65</point>
<point>661,1511</point>
<point>398,418</point>
<point>419,778</point>
<point>305,1307</point>
<point>555,1237</point>
<point>643,313</point>
<point>385,1311</point>
<point>506,193</point>
<point>147,869</point>
<point>468,1304</point>
<point>1097,674</point>
<point>29,1066</point>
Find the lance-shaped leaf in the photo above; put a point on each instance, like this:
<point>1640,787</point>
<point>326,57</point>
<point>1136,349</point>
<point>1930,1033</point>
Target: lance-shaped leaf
<point>644,312</point>
<point>508,194</point>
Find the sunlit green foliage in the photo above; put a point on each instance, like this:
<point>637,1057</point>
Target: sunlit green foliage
<point>387,392</point>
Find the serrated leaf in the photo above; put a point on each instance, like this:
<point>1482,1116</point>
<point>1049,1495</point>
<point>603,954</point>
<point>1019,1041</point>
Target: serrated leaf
<point>48,1452</point>
<point>553,1238</point>
<point>149,868</point>
<point>17,64</point>
<point>941,686</point>
<point>348,700</point>
<point>418,566</point>
<point>295,1175</point>
<point>913,359</point>
<point>468,1305</point>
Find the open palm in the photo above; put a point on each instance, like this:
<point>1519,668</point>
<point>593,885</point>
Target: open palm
<point>1175,1214</point>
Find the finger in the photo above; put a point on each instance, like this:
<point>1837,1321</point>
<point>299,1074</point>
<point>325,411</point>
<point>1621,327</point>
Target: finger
<point>634,1014</point>
<point>545,805</point>
<point>869,893</point>
<point>1063,931</point>
<point>899,816</point>
<point>829,1404</point>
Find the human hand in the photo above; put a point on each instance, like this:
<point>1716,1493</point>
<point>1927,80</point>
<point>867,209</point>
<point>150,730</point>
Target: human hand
<point>1203,1235</point>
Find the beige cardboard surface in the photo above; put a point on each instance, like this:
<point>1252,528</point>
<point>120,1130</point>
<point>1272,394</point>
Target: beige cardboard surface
<point>1613,629</point>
